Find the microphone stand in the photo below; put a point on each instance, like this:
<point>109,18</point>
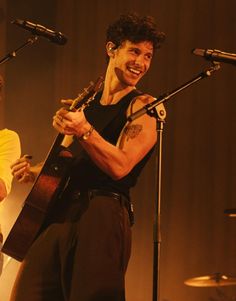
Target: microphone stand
<point>12,54</point>
<point>160,114</point>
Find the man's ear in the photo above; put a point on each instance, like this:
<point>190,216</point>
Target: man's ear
<point>110,47</point>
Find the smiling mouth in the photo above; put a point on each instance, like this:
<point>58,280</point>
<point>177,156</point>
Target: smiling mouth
<point>134,71</point>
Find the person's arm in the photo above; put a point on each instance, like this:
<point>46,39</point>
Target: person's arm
<point>140,136</point>
<point>23,172</point>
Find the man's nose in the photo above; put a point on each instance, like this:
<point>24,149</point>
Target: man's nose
<point>139,60</point>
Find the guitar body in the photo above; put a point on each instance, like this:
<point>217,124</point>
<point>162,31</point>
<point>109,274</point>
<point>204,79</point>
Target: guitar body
<point>49,184</point>
<point>42,200</point>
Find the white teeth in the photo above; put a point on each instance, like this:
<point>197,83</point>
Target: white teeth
<point>134,71</point>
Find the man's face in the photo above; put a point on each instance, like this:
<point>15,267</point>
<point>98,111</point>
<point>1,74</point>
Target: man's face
<point>131,61</point>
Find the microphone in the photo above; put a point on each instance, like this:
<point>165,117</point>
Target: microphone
<point>39,30</point>
<point>216,55</point>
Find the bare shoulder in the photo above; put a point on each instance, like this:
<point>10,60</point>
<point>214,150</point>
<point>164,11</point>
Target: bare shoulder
<point>145,99</point>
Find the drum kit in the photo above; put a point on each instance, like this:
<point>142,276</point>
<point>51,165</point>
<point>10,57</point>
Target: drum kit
<point>215,280</point>
<point>231,212</point>
<point>218,281</point>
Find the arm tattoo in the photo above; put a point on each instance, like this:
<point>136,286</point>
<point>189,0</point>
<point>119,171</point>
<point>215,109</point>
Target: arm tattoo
<point>132,131</point>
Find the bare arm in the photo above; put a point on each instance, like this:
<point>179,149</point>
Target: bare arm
<point>117,162</point>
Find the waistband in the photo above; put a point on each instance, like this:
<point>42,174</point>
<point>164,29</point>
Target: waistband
<point>101,192</point>
<point>91,193</point>
<point>124,201</point>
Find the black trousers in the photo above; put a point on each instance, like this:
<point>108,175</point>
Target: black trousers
<point>83,258</point>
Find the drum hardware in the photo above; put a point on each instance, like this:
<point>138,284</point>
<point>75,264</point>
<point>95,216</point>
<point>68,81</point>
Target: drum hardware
<point>230,212</point>
<point>214,280</point>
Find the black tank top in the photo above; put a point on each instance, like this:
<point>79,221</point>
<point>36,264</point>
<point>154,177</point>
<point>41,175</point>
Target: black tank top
<point>109,121</point>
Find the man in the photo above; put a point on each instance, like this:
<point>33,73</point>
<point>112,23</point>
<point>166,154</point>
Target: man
<point>84,256</point>
<point>9,152</point>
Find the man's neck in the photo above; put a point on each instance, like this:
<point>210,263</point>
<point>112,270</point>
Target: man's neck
<point>114,91</point>
<point>111,98</point>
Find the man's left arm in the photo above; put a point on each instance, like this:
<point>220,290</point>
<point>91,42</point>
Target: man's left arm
<point>139,137</point>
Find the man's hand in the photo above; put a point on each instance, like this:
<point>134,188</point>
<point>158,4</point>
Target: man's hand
<point>71,123</point>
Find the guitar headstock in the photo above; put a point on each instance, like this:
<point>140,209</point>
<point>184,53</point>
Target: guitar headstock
<point>87,94</point>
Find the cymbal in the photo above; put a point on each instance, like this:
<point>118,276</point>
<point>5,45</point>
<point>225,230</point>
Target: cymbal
<point>216,279</point>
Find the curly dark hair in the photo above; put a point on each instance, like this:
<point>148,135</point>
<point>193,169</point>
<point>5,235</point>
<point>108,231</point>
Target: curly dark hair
<point>136,29</point>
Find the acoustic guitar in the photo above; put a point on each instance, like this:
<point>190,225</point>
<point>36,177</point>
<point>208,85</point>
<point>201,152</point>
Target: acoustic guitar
<point>49,184</point>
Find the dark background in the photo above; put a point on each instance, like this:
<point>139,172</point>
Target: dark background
<point>199,166</point>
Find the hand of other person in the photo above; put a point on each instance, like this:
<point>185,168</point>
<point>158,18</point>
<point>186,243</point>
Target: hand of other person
<point>22,170</point>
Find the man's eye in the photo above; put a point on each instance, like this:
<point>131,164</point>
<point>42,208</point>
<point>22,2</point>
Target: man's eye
<point>135,51</point>
<point>149,56</point>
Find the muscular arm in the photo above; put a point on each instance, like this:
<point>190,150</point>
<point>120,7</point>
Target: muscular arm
<point>139,137</point>
<point>113,160</point>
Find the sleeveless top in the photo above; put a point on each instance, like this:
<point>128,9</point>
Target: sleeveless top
<point>109,121</point>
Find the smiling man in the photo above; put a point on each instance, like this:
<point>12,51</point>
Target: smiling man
<point>84,256</point>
